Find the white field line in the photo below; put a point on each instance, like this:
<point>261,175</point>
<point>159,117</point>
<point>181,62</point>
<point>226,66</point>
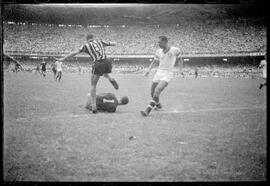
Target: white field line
<point>70,116</point>
<point>215,109</point>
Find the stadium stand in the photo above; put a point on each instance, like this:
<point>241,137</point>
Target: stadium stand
<point>209,37</point>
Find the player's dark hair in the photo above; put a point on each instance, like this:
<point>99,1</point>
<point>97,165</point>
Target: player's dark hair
<point>124,100</point>
<point>163,38</point>
<point>89,36</point>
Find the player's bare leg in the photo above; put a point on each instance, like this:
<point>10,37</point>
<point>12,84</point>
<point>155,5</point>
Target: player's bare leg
<point>57,76</point>
<point>88,104</point>
<point>112,81</point>
<point>262,85</point>
<point>54,74</point>
<point>60,76</point>
<point>159,88</point>
<point>93,91</point>
<point>153,87</point>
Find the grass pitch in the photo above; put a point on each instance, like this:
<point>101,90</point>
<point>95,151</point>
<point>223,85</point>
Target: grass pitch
<point>210,129</point>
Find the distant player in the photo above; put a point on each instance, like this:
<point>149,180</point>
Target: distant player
<point>43,68</point>
<point>37,69</point>
<point>54,69</point>
<point>167,57</point>
<point>59,70</point>
<point>106,102</point>
<point>17,67</point>
<point>196,72</point>
<point>263,66</point>
<point>102,66</point>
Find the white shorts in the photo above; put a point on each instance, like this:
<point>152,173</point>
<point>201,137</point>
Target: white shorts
<point>264,74</point>
<point>163,75</point>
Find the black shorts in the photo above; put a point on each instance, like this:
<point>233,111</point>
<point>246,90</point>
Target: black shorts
<point>59,73</point>
<point>103,66</point>
<point>43,69</point>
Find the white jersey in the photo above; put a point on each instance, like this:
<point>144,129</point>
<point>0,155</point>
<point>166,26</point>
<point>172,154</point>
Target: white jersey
<point>263,65</point>
<point>58,65</point>
<point>167,60</point>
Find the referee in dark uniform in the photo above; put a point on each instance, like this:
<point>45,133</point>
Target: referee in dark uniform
<point>102,66</point>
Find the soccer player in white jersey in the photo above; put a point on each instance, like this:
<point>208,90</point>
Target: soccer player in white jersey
<point>167,57</point>
<point>58,65</point>
<point>263,66</point>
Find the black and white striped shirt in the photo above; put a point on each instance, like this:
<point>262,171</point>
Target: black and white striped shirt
<point>95,49</point>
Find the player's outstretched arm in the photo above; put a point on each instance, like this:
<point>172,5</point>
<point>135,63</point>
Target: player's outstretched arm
<point>72,54</point>
<point>260,65</point>
<point>180,63</point>
<point>106,44</point>
<point>15,61</point>
<point>179,60</point>
<point>155,61</point>
<point>112,43</point>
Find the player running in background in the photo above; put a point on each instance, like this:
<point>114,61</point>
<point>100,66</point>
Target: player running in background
<point>54,70</point>
<point>196,72</point>
<point>263,66</point>
<point>59,70</point>
<point>37,69</point>
<point>17,67</point>
<point>167,57</point>
<point>43,68</point>
<point>101,64</point>
<point>106,102</point>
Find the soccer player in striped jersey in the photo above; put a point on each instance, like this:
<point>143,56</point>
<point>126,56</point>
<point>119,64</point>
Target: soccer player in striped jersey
<point>167,57</point>
<point>101,64</point>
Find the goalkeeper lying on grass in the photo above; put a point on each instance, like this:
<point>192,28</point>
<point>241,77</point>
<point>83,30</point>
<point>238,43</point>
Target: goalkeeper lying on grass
<point>106,102</point>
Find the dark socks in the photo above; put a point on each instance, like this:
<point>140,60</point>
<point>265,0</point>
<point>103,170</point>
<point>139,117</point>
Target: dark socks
<point>152,104</point>
<point>261,85</point>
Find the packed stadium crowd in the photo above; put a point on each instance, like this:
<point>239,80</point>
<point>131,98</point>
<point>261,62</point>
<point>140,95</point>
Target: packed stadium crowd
<point>211,37</point>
